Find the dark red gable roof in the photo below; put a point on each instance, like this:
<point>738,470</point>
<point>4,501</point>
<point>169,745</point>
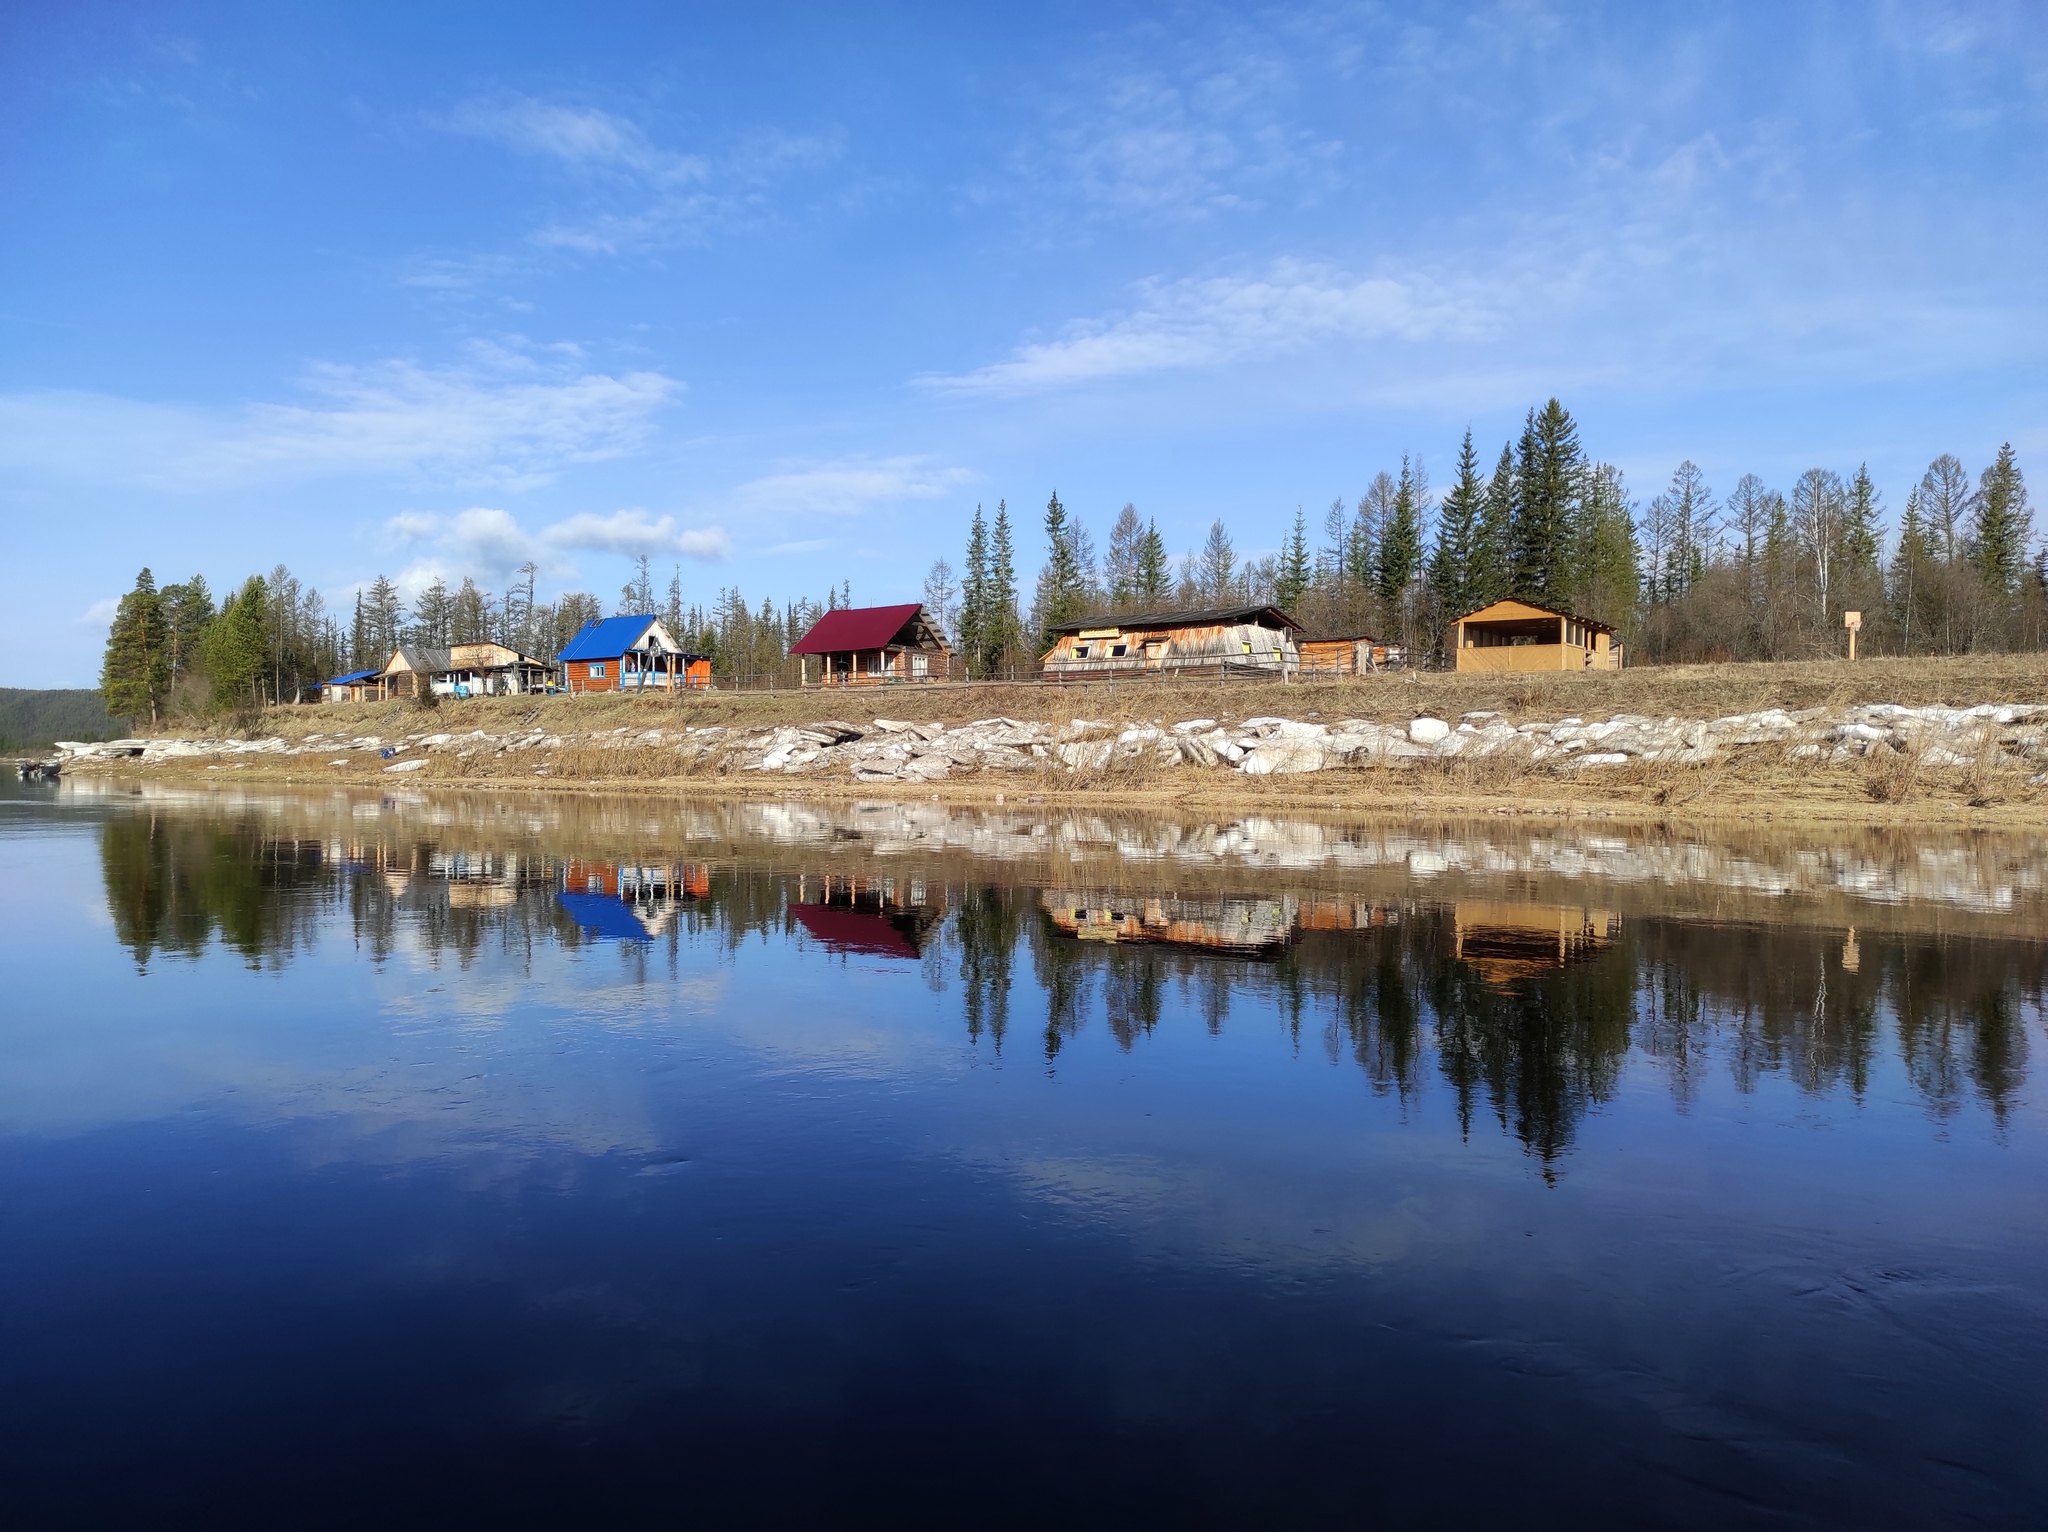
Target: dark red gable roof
<point>854,627</point>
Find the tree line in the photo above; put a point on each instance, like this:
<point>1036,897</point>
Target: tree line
<point>172,651</point>
<point>1759,574</point>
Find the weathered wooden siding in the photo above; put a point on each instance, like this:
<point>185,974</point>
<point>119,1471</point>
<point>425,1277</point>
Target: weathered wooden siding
<point>1092,652</point>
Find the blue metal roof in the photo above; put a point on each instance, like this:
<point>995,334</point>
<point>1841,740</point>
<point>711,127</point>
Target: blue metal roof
<point>354,676</point>
<point>605,639</point>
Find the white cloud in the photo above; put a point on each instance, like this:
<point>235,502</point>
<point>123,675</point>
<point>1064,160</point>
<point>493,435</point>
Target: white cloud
<point>849,486</point>
<point>490,544</point>
<point>509,419</point>
<point>1203,322</point>
<point>100,613</point>
<point>636,194</point>
<point>582,137</point>
<point>633,533</point>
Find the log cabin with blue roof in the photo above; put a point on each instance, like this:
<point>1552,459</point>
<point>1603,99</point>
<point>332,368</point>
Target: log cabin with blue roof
<point>631,653</point>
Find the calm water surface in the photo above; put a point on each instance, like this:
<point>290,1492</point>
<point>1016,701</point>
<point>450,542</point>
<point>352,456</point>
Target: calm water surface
<point>430,1161</point>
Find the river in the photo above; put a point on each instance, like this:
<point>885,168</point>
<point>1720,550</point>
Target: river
<point>412,1159</point>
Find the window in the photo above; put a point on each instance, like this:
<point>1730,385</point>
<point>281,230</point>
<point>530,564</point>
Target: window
<point>597,671</point>
<point>1080,651</point>
<point>920,666</point>
<point>1118,651</point>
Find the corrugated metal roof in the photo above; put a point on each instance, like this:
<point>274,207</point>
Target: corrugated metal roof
<point>423,661</point>
<point>607,638</point>
<point>855,627</point>
<point>1193,617</point>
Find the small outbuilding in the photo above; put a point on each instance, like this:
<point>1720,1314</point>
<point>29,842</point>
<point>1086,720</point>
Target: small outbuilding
<point>1517,635</point>
<point>356,686</point>
<point>875,646</point>
<point>636,653</point>
<point>1326,655</point>
<point>1232,639</point>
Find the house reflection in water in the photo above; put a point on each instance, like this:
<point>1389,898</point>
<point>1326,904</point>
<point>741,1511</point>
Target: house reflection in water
<point>1505,942</point>
<point>629,901</point>
<point>874,917</point>
<point>1234,927</point>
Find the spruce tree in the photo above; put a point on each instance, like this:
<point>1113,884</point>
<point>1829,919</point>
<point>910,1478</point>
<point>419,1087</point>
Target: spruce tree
<point>1399,554</point>
<point>236,645</point>
<point>1457,537</point>
<point>1493,557</point>
<point>1001,634</point>
<point>1912,569</point>
<point>2001,526</point>
<point>1861,536</point>
<point>1062,586</point>
<point>1548,477</point>
<point>1155,569</point>
<point>974,599</point>
<point>358,639</point>
<point>1292,582</point>
<point>187,608</point>
<point>135,670</point>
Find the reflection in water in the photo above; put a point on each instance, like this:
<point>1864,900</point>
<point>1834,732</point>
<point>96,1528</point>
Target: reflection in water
<point>1527,1011</point>
<point>1137,1169</point>
<point>871,916</point>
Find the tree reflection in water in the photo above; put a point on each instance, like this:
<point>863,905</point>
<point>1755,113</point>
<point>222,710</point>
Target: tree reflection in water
<point>1528,1013</point>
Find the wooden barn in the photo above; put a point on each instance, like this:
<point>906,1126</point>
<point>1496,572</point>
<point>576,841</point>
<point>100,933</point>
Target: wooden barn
<point>875,646</point>
<point>1521,636</point>
<point>624,654</point>
<point>1233,639</point>
<point>1327,655</point>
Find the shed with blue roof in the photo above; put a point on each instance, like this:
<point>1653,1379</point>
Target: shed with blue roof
<point>618,654</point>
<point>356,686</point>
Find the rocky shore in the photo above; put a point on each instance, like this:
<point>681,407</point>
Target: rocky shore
<point>2007,737</point>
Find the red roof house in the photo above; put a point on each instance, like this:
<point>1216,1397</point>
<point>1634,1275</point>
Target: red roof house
<point>875,646</point>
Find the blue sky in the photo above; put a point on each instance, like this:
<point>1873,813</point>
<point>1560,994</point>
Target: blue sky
<point>777,294</point>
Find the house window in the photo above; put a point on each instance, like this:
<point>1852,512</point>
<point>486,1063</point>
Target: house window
<point>1080,651</point>
<point>1118,651</point>
<point>597,671</point>
<point>920,667</point>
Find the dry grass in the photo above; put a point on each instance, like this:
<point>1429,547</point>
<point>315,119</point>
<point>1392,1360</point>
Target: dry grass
<point>1890,775</point>
<point>1694,691</point>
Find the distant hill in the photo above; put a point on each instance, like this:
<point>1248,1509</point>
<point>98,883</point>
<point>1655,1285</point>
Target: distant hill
<point>32,719</point>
